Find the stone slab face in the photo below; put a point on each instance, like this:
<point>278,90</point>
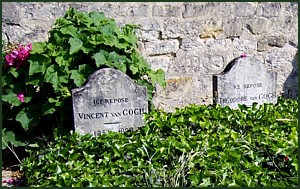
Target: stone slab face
<point>109,101</point>
<point>247,81</point>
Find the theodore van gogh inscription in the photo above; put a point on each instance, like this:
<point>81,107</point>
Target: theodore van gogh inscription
<point>246,82</point>
<point>110,101</point>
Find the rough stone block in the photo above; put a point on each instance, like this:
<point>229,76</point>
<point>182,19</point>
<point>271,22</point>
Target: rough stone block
<point>278,41</point>
<point>172,11</point>
<point>149,30</point>
<point>161,47</point>
<point>158,11</point>
<point>10,13</point>
<point>166,11</point>
<point>244,46</point>
<point>208,33</point>
<point>219,46</point>
<point>187,62</point>
<point>233,27</point>
<point>141,10</point>
<point>266,42</point>
<point>207,10</point>
<point>213,63</point>
<point>174,28</point>
<point>191,43</point>
<point>258,25</point>
<point>147,35</point>
<point>182,91</point>
<point>262,45</point>
<point>245,9</point>
<point>269,9</point>
<point>159,62</point>
<point>109,9</point>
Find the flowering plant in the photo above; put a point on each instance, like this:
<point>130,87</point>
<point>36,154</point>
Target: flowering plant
<point>18,56</point>
<point>37,78</point>
<point>13,182</point>
<point>14,58</point>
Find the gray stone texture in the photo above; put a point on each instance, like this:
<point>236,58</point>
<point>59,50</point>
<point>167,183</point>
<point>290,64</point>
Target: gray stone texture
<point>109,101</point>
<point>182,38</point>
<point>246,82</point>
<point>162,47</point>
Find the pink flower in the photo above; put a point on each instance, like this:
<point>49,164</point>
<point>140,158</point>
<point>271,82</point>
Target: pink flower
<point>243,56</point>
<point>8,181</point>
<point>28,47</point>
<point>21,97</point>
<point>23,54</point>
<point>9,60</point>
<point>14,54</point>
<point>17,58</point>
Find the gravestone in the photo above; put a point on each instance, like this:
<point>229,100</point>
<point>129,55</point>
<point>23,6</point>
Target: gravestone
<point>109,101</point>
<point>244,81</point>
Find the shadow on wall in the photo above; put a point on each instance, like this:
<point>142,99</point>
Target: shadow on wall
<point>290,86</point>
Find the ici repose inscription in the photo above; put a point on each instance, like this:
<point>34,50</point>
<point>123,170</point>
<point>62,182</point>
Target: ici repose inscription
<point>110,101</point>
<point>247,81</point>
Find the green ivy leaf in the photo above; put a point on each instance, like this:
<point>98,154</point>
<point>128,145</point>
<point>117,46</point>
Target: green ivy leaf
<point>193,119</point>
<point>27,117</point>
<point>133,69</point>
<point>118,61</point>
<point>76,45</point>
<point>52,77</point>
<point>70,30</point>
<point>11,98</point>
<point>128,31</point>
<point>58,169</point>
<point>158,77</point>
<point>35,80</point>
<point>100,58</point>
<point>79,76</point>
<point>61,22</point>
<point>63,60</point>
<point>9,137</point>
<point>6,80</point>
<point>14,72</point>
<point>110,40</point>
<point>96,17</point>
<point>38,48</point>
<point>234,135</point>
<point>38,63</point>
<point>78,79</point>
<point>48,108</point>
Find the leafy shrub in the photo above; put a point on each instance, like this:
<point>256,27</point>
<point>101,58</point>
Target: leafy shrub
<point>36,93</point>
<point>198,146</point>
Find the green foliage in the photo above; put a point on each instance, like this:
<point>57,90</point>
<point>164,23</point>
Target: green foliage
<point>198,146</point>
<point>79,44</point>
<point>9,137</point>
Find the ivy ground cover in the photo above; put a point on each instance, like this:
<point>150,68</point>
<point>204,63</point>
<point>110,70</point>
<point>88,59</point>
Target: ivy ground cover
<point>198,146</point>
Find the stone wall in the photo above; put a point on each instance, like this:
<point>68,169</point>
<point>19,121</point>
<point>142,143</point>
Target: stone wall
<point>189,41</point>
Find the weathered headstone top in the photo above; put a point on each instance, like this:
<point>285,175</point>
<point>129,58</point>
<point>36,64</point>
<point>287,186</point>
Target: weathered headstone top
<point>109,101</point>
<point>247,81</point>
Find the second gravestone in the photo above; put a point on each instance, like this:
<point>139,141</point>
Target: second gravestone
<point>109,101</point>
<point>245,81</point>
